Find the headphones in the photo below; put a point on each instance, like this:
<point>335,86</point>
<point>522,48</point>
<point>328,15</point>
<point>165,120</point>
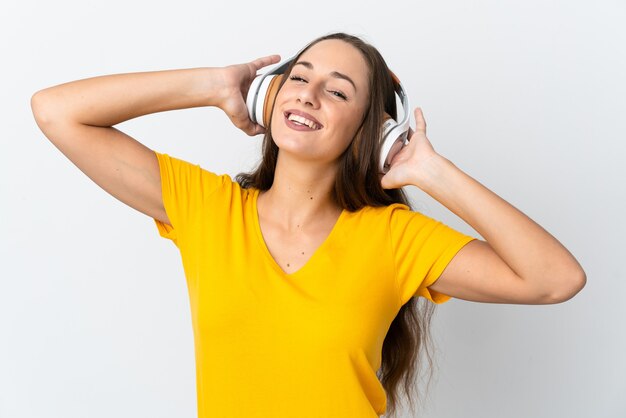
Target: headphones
<point>264,88</point>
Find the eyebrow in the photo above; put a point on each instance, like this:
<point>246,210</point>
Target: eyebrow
<point>335,74</point>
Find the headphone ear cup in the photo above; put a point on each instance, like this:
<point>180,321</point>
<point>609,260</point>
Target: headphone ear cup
<point>262,92</point>
<point>388,124</point>
<point>261,97</point>
<point>270,98</point>
<point>393,140</point>
<point>251,97</point>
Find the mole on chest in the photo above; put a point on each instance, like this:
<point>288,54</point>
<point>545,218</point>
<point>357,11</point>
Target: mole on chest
<point>291,256</point>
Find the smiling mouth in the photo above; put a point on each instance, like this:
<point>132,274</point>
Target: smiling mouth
<point>302,121</point>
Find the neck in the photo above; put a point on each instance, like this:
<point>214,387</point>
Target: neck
<point>301,194</point>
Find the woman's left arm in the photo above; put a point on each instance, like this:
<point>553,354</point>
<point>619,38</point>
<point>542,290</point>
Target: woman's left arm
<point>519,261</point>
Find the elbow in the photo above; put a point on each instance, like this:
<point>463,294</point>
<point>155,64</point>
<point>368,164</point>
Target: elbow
<point>573,283</point>
<point>40,111</point>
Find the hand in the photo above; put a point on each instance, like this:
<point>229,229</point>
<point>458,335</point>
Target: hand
<point>407,165</point>
<point>236,83</point>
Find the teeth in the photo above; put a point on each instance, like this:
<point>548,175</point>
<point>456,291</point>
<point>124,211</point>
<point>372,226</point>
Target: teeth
<point>303,121</point>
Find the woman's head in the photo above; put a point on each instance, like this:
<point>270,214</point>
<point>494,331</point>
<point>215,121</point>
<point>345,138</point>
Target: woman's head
<point>349,138</point>
<point>327,84</point>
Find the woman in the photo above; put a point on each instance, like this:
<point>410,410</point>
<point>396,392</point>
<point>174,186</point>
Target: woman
<point>304,275</point>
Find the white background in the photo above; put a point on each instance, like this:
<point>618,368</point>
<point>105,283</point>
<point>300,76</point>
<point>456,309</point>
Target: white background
<point>526,97</point>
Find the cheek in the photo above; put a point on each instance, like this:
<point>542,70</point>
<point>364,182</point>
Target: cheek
<point>276,116</point>
<point>344,133</point>
<point>351,126</point>
<point>274,119</point>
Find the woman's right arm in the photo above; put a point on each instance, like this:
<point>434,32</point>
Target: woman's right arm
<point>78,118</point>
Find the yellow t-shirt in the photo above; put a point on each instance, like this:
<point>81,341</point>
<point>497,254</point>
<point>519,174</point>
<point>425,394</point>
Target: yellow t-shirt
<point>306,344</point>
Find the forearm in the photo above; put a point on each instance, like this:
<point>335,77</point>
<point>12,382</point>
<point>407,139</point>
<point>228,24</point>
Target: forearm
<point>529,250</point>
<point>111,99</point>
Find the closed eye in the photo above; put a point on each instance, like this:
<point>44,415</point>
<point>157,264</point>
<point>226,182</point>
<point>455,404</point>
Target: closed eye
<point>333,92</point>
<point>339,94</point>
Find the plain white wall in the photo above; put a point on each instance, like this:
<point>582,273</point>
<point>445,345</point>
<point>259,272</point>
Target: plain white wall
<point>526,97</point>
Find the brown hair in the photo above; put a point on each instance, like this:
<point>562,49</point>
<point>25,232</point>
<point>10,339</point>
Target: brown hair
<point>357,184</point>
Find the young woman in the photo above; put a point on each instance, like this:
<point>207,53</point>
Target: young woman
<point>304,275</point>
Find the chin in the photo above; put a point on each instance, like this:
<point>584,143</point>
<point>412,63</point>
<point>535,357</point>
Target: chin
<point>293,146</point>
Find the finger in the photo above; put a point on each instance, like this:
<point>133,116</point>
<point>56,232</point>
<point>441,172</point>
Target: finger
<point>265,61</point>
<point>384,180</point>
<point>381,176</point>
<point>420,123</point>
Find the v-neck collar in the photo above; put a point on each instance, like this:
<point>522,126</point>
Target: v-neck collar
<point>263,245</point>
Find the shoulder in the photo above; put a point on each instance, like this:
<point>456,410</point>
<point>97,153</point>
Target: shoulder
<point>398,212</point>
<point>386,210</point>
<point>396,216</point>
<point>192,171</point>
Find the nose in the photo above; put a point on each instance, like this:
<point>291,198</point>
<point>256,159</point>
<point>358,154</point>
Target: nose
<point>307,94</point>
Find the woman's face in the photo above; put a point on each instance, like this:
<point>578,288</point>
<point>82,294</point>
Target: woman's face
<point>328,87</point>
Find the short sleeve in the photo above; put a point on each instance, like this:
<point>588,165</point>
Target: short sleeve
<point>422,248</point>
<point>184,188</point>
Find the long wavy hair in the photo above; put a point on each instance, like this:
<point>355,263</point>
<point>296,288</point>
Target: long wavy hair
<point>357,184</point>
